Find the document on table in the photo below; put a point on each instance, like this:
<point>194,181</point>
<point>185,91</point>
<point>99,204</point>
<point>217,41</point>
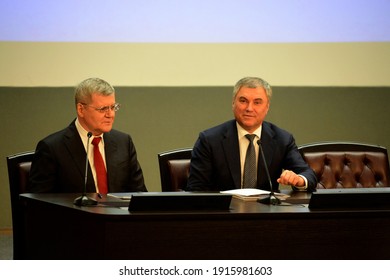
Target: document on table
<point>250,194</point>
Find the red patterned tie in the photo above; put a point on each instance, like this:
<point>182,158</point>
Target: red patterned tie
<point>99,167</point>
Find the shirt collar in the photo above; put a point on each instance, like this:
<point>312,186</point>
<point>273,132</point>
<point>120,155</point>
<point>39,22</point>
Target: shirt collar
<point>83,133</point>
<point>242,132</point>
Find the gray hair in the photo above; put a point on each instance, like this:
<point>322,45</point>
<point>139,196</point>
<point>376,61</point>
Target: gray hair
<point>253,82</point>
<point>86,88</point>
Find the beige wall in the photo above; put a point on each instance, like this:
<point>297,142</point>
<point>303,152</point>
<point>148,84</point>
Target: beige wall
<point>300,64</point>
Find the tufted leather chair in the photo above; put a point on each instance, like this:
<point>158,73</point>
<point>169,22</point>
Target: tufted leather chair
<point>174,169</point>
<point>18,172</point>
<point>347,164</point>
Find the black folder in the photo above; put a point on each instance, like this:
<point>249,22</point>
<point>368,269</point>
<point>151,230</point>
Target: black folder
<point>179,201</point>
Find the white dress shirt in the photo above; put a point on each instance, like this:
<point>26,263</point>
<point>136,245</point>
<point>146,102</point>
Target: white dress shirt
<point>243,143</point>
<point>84,138</point>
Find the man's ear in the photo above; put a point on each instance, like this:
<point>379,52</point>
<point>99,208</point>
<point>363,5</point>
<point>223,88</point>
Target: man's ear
<point>80,109</point>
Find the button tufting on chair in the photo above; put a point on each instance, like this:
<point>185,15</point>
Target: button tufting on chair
<point>347,164</point>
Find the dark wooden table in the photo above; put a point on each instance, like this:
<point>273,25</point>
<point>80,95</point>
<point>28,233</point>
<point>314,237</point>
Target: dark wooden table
<point>56,229</point>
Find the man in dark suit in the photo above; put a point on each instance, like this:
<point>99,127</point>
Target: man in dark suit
<point>218,156</point>
<point>59,162</point>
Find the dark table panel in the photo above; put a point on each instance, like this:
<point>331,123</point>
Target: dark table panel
<point>56,229</point>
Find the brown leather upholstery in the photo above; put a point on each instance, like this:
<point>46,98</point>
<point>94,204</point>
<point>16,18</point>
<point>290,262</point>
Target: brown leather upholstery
<point>174,169</point>
<point>347,165</point>
<point>18,172</point>
<point>24,173</point>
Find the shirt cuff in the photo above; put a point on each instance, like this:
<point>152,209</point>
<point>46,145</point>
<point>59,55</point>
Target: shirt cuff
<point>304,187</point>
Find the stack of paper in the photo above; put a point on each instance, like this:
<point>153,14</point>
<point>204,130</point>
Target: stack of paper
<point>248,194</point>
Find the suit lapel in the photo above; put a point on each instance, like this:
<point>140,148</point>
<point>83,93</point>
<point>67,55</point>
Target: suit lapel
<point>110,148</point>
<point>232,152</point>
<point>75,148</point>
<point>268,146</point>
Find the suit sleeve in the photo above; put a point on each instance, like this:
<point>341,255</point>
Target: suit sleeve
<point>295,162</point>
<point>136,178</point>
<point>201,168</point>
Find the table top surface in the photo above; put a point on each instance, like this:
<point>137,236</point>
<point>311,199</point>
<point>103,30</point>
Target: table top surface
<point>117,204</point>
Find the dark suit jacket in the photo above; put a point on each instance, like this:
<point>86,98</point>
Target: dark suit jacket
<point>215,163</point>
<point>59,164</point>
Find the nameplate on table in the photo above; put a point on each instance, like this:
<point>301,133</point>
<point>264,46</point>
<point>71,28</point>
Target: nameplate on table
<point>179,201</point>
<point>357,198</point>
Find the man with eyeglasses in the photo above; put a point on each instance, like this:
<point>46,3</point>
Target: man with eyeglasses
<point>60,159</point>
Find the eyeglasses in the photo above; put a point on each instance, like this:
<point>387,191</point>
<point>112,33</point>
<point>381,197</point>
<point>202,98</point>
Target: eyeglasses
<point>115,107</point>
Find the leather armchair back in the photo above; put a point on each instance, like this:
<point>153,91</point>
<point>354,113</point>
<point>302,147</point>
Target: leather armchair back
<point>347,164</point>
<point>174,169</point>
<point>18,174</point>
